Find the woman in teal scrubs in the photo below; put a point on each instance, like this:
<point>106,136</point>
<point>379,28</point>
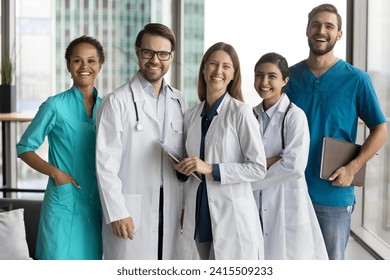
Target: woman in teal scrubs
<point>70,222</point>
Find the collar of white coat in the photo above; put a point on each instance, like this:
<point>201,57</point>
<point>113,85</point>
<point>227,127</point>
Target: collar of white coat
<point>282,107</point>
<point>226,99</point>
<point>138,91</point>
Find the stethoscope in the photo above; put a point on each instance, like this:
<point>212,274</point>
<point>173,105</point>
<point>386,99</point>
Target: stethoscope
<point>139,126</point>
<point>283,122</point>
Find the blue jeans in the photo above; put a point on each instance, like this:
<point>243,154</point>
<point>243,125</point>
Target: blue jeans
<point>335,223</point>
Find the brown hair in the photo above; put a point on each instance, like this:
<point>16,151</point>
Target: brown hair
<point>234,87</point>
<point>157,29</point>
<point>325,8</point>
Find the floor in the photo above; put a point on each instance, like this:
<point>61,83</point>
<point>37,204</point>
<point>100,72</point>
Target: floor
<point>356,252</point>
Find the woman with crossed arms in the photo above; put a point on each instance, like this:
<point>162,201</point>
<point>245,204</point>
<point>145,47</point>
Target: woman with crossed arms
<point>290,226</point>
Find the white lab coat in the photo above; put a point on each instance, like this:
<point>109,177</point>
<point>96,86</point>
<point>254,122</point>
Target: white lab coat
<point>290,226</point>
<point>128,164</point>
<point>234,142</point>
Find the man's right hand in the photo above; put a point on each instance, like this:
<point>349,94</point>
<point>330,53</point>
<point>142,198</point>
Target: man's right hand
<point>123,228</point>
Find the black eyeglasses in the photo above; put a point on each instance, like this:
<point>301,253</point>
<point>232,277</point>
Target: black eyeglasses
<point>148,54</point>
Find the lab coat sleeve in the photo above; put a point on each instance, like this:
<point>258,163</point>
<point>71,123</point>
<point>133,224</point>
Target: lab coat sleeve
<point>254,166</point>
<point>293,160</point>
<point>181,177</point>
<point>186,184</point>
<point>108,158</point>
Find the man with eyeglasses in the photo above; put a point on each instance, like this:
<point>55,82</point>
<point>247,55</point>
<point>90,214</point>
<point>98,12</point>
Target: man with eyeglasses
<point>139,191</point>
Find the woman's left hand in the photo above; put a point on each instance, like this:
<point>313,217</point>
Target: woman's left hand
<point>272,160</point>
<point>194,164</point>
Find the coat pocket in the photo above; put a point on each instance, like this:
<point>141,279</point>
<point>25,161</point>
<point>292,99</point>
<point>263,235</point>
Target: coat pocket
<point>60,199</point>
<point>247,216</point>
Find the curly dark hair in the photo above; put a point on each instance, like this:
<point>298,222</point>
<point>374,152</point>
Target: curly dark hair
<point>85,39</point>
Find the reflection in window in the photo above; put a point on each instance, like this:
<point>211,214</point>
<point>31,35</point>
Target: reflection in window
<point>377,196</point>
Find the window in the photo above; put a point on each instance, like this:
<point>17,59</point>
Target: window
<point>261,27</point>
<point>376,199</point>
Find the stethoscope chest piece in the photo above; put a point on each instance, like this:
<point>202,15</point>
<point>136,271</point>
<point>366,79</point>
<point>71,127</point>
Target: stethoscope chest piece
<point>139,127</point>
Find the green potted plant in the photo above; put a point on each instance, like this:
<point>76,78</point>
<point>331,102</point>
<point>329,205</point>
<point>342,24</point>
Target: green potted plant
<point>7,90</point>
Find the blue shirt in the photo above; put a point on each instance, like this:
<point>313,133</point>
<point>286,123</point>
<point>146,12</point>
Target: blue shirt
<point>267,115</point>
<point>202,219</point>
<point>333,103</point>
<point>158,105</point>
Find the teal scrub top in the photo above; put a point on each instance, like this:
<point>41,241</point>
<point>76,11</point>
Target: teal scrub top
<point>333,103</point>
<point>70,222</point>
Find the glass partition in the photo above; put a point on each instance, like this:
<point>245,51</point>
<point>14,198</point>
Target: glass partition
<point>376,215</point>
<point>258,27</point>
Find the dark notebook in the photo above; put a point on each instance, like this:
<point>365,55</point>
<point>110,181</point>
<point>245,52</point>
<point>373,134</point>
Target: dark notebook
<point>337,153</point>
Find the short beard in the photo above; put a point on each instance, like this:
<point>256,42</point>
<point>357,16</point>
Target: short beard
<point>153,77</point>
<point>319,52</point>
